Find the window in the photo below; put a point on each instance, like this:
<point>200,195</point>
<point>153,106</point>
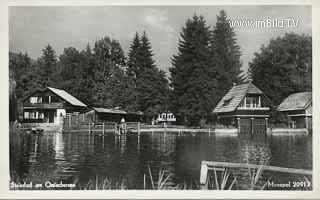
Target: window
<point>32,115</point>
<point>26,115</point>
<point>227,101</point>
<point>54,99</point>
<point>45,99</point>
<point>33,100</point>
<point>252,102</point>
<point>39,100</point>
<point>41,115</point>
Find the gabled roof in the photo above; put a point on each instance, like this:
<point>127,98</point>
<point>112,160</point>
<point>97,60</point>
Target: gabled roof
<point>296,101</point>
<point>67,97</point>
<point>107,110</point>
<point>234,97</point>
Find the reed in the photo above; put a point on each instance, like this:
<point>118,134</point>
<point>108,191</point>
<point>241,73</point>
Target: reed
<point>104,184</point>
<point>224,182</point>
<point>162,182</point>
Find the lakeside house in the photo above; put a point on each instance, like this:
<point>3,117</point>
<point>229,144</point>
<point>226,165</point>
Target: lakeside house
<point>298,109</point>
<point>101,115</point>
<point>50,106</point>
<point>245,107</point>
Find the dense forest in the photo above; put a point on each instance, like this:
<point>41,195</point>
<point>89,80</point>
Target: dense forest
<point>203,70</point>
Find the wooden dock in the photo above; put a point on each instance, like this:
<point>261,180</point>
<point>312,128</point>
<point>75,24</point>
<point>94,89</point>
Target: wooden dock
<point>221,166</point>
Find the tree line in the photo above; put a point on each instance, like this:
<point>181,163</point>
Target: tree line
<point>203,70</point>
<point>100,76</point>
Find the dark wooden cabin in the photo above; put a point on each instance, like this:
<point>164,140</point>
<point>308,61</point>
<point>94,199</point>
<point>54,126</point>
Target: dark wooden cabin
<point>50,105</point>
<point>245,107</point>
<point>101,115</point>
<point>298,110</point>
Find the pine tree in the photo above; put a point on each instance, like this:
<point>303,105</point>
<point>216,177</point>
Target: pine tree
<point>133,70</point>
<point>133,57</point>
<point>193,75</point>
<point>226,54</point>
<point>149,84</point>
<point>47,67</point>
<point>147,61</point>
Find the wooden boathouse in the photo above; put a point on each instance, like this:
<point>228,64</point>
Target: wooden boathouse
<point>101,115</point>
<point>298,110</point>
<point>246,107</point>
<point>50,106</point>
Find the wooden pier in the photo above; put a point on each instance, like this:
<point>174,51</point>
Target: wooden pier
<point>221,166</point>
<point>116,128</point>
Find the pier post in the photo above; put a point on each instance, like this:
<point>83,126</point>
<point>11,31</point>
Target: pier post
<point>103,128</point>
<point>209,131</point>
<point>115,127</point>
<point>238,120</point>
<point>138,127</point>
<point>252,125</point>
<point>203,176</point>
<point>266,120</point>
<point>89,129</point>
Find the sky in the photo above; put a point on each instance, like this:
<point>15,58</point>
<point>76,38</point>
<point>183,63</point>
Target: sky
<point>31,28</point>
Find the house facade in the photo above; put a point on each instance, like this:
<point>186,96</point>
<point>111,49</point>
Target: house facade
<point>50,105</point>
<point>245,107</point>
<point>298,110</point>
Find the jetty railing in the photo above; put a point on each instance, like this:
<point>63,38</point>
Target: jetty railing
<point>221,166</point>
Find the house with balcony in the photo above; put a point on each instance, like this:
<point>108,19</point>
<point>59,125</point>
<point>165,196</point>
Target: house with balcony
<point>245,107</point>
<point>49,106</point>
<point>297,108</point>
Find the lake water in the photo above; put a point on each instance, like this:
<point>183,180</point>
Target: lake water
<point>79,157</point>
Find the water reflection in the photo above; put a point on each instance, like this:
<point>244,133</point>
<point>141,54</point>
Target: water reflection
<point>70,156</point>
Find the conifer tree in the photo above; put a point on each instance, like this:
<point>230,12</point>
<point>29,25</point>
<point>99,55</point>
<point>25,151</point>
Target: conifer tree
<point>226,55</point>
<point>134,57</point>
<point>47,66</point>
<point>150,85</point>
<point>193,74</point>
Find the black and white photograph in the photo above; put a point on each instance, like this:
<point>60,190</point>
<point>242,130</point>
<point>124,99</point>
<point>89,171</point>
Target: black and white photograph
<point>166,97</point>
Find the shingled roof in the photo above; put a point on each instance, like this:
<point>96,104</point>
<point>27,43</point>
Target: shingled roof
<point>67,97</point>
<point>296,101</point>
<point>234,97</point>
